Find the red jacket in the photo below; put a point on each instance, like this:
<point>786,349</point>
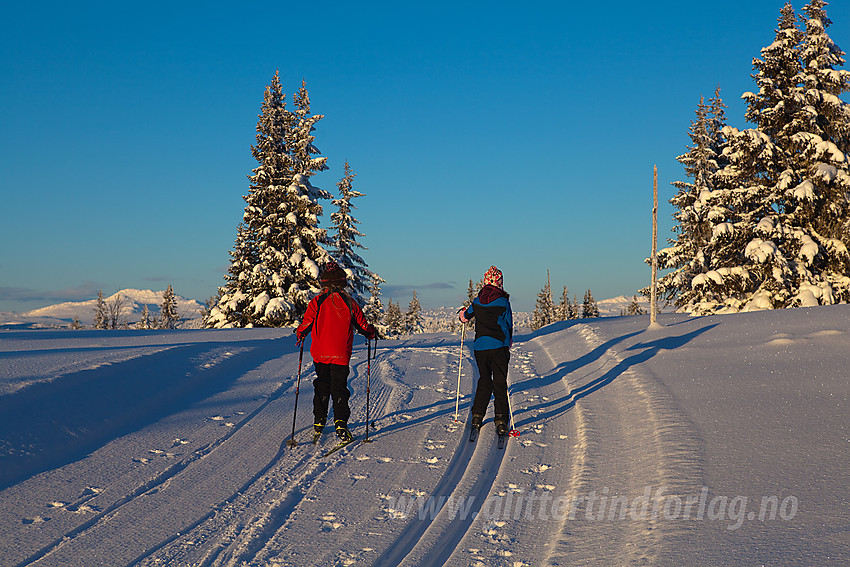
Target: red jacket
<point>332,316</point>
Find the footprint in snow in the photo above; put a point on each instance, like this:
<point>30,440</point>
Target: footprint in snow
<point>537,469</point>
<point>82,509</point>
<point>177,442</point>
<point>35,520</point>
<point>329,522</point>
<point>56,504</point>
<point>91,491</point>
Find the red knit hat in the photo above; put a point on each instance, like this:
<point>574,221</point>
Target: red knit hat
<point>493,276</point>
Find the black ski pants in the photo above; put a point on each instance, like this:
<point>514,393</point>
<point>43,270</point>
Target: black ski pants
<point>492,381</point>
<point>331,382</point>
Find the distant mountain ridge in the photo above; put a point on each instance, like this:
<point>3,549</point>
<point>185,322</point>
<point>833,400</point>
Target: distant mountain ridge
<point>131,312</point>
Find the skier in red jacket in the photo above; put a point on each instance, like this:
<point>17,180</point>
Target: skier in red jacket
<point>332,317</point>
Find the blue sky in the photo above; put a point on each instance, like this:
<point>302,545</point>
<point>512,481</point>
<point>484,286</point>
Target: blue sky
<point>520,135</point>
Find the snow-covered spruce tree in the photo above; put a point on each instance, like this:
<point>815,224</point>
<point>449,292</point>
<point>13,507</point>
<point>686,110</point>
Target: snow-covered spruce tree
<point>393,319</point>
<point>589,308</point>
<point>634,307</point>
<point>780,212</point>
<point>565,307</point>
<point>279,247</point>
<point>696,214</point>
<point>344,239</point>
<point>374,308</point>
<point>168,311</point>
<point>145,322</point>
<point>791,249</point>
<point>413,321</point>
<point>101,317</point>
<point>813,227</point>
<point>544,310</point>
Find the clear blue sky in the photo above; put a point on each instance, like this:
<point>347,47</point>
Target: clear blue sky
<point>521,135</point>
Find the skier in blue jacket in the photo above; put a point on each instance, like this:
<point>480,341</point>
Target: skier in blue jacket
<point>493,337</point>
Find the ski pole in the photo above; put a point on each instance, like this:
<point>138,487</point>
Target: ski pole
<point>514,432</point>
<point>368,380</point>
<point>291,441</point>
<point>459,366</point>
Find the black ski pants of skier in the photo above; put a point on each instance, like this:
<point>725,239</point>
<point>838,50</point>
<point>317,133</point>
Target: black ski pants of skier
<point>331,383</point>
<point>492,381</point>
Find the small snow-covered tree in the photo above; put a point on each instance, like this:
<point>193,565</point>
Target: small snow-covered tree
<point>374,308</point>
<point>413,322</point>
<point>635,308</point>
<point>589,308</point>
<point>393,320</point>
<point>145,322</point>
<point>565,309</point>
<point>101,316</point>
<point>168,310</point>
<point>544,310</point>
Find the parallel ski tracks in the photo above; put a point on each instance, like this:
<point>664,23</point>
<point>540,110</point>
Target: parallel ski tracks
<point>655,446</point>
<point>303,470</point>
<point>238,530</point>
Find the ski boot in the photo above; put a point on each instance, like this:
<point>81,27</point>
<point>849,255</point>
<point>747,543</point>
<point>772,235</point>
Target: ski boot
<point>342,432</point>
<point>476,421</point>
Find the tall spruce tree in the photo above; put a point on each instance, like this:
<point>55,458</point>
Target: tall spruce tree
<point>344,239</point>
<point>778,214</point>
<point>697,212</point>
<point>279,246</point>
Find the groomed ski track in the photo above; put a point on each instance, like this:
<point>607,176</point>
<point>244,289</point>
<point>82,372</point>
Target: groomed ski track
<point>221,488</point>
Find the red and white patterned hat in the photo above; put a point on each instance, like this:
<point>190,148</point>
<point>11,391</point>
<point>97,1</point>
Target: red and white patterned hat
<point>493,277</point>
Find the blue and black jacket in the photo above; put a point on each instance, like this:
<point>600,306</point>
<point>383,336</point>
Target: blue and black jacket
<point>494,325</point>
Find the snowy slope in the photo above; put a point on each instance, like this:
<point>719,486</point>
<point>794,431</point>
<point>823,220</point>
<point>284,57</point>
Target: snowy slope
<point>712,441</point>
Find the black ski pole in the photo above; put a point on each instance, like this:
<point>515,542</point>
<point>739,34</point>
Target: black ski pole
<point>368,381</point>
<point>291,441</point>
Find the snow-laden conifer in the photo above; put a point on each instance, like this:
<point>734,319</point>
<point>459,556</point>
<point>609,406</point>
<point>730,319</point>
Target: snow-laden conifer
<point>544,309</point>
<point>101,317</point>
<point>344,239</point>
<point>778,214</point>
<point>589,307</point>
<point>697,212</point>
<point>393,320</point>
<point>168,311</point>
<point>279,246</point>
<point>374,308</point>
<point>413,321</point>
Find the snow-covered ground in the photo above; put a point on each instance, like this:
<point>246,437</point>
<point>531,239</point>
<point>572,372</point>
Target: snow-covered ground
<point>712,441</point>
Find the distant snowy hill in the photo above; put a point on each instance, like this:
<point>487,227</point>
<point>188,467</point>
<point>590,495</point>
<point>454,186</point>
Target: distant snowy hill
<point>62,314</point>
